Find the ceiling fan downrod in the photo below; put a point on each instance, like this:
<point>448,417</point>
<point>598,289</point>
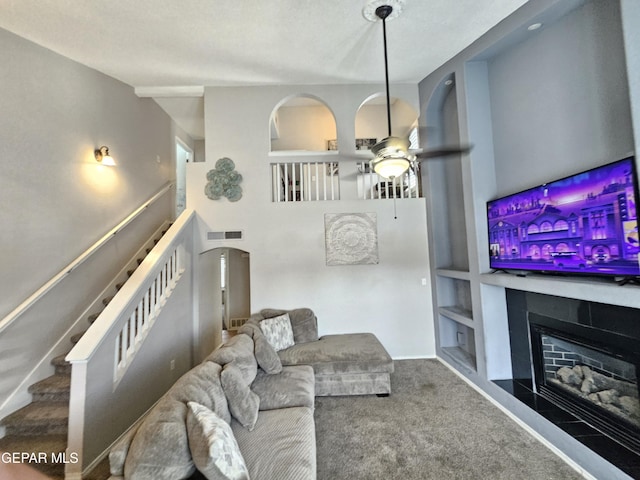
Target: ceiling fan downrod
<point>383,11</point>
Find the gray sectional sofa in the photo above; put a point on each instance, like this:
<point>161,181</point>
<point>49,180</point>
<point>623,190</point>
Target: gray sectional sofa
<point>247,410</point>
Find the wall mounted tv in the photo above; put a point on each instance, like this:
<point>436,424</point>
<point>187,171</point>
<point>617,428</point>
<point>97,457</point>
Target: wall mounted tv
<point>585,223</point>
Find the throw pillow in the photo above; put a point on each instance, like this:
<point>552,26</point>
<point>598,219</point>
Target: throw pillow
<point>214,448</point>
<point>278,332</point>
<point>243,403</point>
<point>303,322</point>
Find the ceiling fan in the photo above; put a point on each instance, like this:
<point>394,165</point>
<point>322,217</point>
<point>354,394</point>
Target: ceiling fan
<point>392,156</point>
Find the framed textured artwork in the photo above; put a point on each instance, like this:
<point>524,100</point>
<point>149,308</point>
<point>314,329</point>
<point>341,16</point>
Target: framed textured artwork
<point>351,238</point>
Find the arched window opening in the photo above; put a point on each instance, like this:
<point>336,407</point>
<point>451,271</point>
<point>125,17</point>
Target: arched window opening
<point>371,121</point>
<point>303,123</point>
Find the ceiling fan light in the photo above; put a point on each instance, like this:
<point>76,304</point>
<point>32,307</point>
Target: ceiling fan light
<point>390,167</point>
<point>391,147</point>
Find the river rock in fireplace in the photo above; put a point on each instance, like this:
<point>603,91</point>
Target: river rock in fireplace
<point>617,396</point>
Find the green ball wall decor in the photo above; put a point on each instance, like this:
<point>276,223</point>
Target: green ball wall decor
<point>223,181</point>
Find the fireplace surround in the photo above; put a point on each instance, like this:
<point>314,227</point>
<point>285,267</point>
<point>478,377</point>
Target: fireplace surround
<point>590,373</point>
<point>580,318</point>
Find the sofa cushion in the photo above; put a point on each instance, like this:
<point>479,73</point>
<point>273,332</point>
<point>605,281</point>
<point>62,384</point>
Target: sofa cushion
<point>202,384</point>
<point>292,387</point>
<point>160,449</point>
<point>347,353</point>
<point>303,322</point>
<point>266,357</point>
<point>214,448</point>
<point>282,446</point>
<point>238,349</point>
<point>243,403</point>
<point>278,332</point>
<point>118,454</point>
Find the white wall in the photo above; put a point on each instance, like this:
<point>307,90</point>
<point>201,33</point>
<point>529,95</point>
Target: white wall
<point>286,241</point>
<point>304,128</point>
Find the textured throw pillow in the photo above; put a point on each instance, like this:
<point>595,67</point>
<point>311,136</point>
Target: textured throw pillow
<point>303,323</point>
<point>278,332</point>
<point>214,448</point>
<point>243,403</point>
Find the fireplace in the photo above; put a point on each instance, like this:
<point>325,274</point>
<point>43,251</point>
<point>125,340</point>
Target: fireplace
<point>591,373</point>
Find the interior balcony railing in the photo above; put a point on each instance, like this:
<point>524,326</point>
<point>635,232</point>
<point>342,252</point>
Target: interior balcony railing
<point>320,181</point>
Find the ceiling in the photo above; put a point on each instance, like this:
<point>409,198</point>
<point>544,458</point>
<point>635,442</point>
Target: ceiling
<point>168,43</point>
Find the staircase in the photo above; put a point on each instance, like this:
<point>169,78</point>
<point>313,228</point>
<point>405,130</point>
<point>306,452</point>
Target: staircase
<point>42,426</point>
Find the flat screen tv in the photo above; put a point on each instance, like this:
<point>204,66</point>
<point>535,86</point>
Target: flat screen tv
<point>585,223</point>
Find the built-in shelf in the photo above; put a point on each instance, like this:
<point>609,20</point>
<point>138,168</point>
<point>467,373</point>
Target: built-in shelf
<point>458,314</point>
<point>601,290</point>
<point>461,357</point>
<point>453,273</point>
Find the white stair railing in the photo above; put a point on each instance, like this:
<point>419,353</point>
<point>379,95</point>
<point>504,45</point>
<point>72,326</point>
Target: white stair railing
<point>104,354</point>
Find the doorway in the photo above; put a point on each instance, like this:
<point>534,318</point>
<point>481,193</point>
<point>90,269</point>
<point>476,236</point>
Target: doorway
<point>225,295</point>
<point>184,154</point>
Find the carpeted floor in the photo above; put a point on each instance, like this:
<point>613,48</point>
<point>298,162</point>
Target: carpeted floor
<point>433,426</point>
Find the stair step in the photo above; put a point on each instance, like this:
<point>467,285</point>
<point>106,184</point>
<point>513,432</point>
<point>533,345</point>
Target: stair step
<point>105,301</point>
<point>52,389</point>
<point>139,260</point>
<point>62,366</point>
<point>76,338</point>
<point>36,419</point>
<point>130,272</point>
<point>119,285</point>
<point>93,317</point>
<point>48,444</point>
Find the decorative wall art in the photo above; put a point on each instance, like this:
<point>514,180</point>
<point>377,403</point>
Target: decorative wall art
<point>351,238</point>
<point>223,181</point>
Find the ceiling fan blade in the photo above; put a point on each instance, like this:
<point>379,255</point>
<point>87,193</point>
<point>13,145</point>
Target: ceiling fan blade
<point>360,158</point>
<point>442,152</point>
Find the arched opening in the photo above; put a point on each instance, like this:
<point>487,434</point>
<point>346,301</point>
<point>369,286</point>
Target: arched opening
<point>371,121</point>
<point>302,122</point>
<point>224,295</point>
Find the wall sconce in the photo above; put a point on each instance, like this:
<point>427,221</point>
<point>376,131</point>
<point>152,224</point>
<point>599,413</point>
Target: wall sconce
<point>103,157</point>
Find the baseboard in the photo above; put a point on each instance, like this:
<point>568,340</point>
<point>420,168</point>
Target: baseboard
<point>559,453</point>
<point>414,357</point>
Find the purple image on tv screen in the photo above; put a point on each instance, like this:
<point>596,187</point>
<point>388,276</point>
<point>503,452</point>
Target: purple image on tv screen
<point>585,223</point>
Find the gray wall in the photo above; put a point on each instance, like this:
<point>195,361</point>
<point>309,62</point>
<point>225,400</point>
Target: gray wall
<point>57,200</point>
<point>538,106</point>
<point>560,101</point>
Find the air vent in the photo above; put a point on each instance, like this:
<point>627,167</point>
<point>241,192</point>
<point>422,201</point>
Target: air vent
<point>236,323</point>
<point>232,235</point>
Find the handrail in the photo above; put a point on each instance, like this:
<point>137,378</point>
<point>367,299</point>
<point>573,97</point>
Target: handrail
<point>84,350</point>
<point>24,306</point>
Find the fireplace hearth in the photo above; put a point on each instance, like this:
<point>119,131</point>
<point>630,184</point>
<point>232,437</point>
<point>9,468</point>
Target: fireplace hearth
<point>589,373</point>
